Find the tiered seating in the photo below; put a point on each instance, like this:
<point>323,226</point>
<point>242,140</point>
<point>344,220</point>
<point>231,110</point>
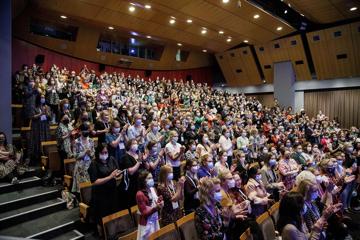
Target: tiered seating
<point>169,232</point>
<point>186,227</point>
<point>85,198</point>
<point>118,224</point>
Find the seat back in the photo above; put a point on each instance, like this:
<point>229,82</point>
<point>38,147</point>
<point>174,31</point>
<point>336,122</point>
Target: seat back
<point>118,224</point>
<point>134,210</point>
<point>168,232</point>
<point>246,235</point>
<point>69,165</point>
<point>85,192</point>
<point>130,236</point>
<point>266,225</point>
<point>49,150</point>
<point>274,212</point>
<point>186,226</point>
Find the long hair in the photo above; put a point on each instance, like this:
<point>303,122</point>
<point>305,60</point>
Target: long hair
<point>290,209</point>
<point>5,142</point>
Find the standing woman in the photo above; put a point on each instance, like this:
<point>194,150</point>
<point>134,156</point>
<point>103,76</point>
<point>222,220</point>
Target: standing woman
<point>210,221</point>
<point>84,152</point>
<point>130,162</point>
<point>149,204</point>
<point>191,194</point>
<point>171,193</point>
<point>103,173</point>
<point>40,129</point>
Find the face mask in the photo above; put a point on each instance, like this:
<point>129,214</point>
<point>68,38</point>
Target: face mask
<point>331,170</point>
<point>194,169</point>
<point>155,129</point>
<point>265,151</point>
<point>319,179</point>
<point>350,149</point>
<point>193,148</point>
<point>231,183</point>
<point>116,130</point>
<point>308,149</point>
<point>2,141</point>
<point>167,126</point>
<point>42,100</point>
<point>192,127</point>
<point>217,196</point>
<point>272,162</point>
<point>206,140</point>
<point>66,121</point>
<point>304,210</point>
<point>299,150</point>
<point>103,157</point>
<point>150,183</point>
<point>314,196</point>
<point>138,122</point>
<point>134,148</point>
<point>243,134</point>
<point>227,135</point>
<point>288,144</point>
<point>244,149</point>
<point>175,139</point>
<point>258,177</point>
<point>170,176</point>
<point>85,133</point>
<point>66,106</point>
<point>339,162</point>
<point>210,165</point>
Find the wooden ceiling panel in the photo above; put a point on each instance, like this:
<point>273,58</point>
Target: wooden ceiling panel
<point>326,11</point>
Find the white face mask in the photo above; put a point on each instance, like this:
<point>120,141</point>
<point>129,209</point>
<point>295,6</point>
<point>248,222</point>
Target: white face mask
<point>231,183</point>
<point>170,176</point>
<point>150,183</point>
<point>258,177</point>
<point>217,196</point>
<point>103,157</point>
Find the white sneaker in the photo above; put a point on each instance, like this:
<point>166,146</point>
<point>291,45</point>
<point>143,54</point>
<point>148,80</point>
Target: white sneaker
<point>14,180</point>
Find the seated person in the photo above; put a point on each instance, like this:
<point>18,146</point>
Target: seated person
<point>8,163</point>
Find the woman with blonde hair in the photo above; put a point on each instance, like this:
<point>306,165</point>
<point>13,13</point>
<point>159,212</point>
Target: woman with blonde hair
<point>171,194</point>
<point>211,221</point>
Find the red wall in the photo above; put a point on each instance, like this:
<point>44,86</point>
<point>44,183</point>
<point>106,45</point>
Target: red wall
<point>25,53</point>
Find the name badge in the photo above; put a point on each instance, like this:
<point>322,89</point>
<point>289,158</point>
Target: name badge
<point>196,196</point>
<point>121,145</point>
<point>175,205</point>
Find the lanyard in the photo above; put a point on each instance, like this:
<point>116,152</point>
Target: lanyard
<point>191,180</point>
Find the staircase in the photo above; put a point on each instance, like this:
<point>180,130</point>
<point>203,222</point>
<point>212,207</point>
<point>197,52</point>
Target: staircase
<point>29,210</point>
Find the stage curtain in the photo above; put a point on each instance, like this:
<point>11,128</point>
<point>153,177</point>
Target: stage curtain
<point>343,105</point>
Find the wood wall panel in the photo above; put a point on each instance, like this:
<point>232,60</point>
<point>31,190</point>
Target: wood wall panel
<point>239,67</point>
<point>283,50</point>
<point>331,44</point>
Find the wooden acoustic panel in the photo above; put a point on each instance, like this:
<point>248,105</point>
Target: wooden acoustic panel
<point>239,67</point>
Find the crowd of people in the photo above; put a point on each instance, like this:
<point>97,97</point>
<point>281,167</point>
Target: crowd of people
<point>173,147</point>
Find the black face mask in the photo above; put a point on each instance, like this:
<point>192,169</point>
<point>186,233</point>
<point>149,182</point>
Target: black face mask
<point>2,141</point>
<point>84,119</point>
<point>85,133</point>
<point>66,121</point>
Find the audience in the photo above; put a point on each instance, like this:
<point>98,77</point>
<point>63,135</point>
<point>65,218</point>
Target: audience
<point>158,126</point>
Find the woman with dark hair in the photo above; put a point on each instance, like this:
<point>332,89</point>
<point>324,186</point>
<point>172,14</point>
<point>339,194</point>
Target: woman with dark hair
<point>130,162</point>
<point>84,152</point>
<point>7,160</point>
<point>149,204</point>
<point>191,194</point>
<point>291,225</point>
<point>103,172</point>
<point>40,129</point>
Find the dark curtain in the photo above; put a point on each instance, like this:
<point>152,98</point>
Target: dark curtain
<point>343,105</point>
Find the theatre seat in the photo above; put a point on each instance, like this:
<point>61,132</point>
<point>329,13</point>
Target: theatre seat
<point>130,236</point>
<point>266,225</point>
<point>274,212</point>
<point>118,224</point>
<point>186,226</point>
<point>85,198</point>
<point>50,158</point>
<point>168,232</point>
<point>134,210</point>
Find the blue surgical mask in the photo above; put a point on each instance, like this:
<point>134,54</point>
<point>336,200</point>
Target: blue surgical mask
<point>272,162</point>
<point>314,196</point>
<point>170,176</point>
<point>210,165</point>
<point>217,196</point>
<point>150,183</point>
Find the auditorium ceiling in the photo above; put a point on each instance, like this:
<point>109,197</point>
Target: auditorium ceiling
<point>327,11</point>
<point>206,24</point>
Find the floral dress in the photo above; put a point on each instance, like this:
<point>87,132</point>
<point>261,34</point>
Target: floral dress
<point>64,144</point>
<point>209,227</point>
<point>171,212</point>
<point>7,164</point>
<point>83,161</point>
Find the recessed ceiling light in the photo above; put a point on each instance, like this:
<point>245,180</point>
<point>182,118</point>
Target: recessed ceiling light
<point>131,8</point>
<point>246,41</point>
<point>225,1</point>
<point>221,32</point>
<point>302,15</point>
<point>147,6</point>
<point>172,21</point>
<point>110,27</point>
<point>189,21</point>
<point>229,39</point>
<point>204,50</point>
<point>148,36</point>
<point>353,9</point>
<point>203,31</point>
<point>279,28</point>
<point>256,16</point>
<point>179,44</point>
<point>285,11</point>
<point>63,17</point>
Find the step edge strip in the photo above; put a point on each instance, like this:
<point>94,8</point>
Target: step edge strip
<point>29,197</point>
<point>33,210</point>
<point>50,229</point>
<point>80,235</point>
<point>34,179</point>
